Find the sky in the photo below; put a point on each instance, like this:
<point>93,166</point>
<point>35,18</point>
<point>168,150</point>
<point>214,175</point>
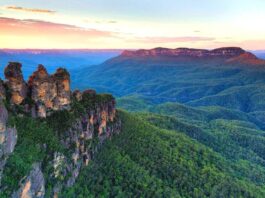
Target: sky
<point>132,24</point>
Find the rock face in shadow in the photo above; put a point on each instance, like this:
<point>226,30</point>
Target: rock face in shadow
<point>98,122</point>
<point>15,82</point>
<point>8,138</point>
<point>77,95</point>
<point>2,90</point>
<point>33,186</point>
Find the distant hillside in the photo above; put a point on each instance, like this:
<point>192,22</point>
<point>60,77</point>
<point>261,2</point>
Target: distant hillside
<point>226,77</point>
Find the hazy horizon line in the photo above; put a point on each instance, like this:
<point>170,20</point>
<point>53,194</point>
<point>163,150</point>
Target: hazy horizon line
<point>120,49</point>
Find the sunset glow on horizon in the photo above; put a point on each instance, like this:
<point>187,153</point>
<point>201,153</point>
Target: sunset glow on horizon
<point>117,24</point>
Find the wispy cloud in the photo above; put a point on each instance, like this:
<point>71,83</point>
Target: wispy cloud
<point>105,22</point>
<point>30,26</point>
<point>172,39</point>
<point>29,33</point>
<point>36,10</point>
<point>101,21</point>
<point>112,21</point>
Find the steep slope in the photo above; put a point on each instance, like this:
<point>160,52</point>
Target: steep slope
<point>151,162</point>
<point>233,134</point>
<point>233,138</point>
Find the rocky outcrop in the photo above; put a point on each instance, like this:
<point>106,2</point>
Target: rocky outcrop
<point>49,92</point>
<point>98,123</point>
<point>90,120</point>
<point>62,81</point>
<point>43,88</point>
<point>15,82</point>
<point>8,138</point>
<point>227,52</point>
<point>33,186</point>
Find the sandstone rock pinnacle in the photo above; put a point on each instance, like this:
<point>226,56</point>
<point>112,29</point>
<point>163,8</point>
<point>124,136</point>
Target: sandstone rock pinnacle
<point>16,83</point>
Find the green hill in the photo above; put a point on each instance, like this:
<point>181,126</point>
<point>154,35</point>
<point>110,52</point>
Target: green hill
<point>238,86</point>
<point>145,160</point>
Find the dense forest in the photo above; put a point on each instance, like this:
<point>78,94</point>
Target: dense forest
<point>148,161</point>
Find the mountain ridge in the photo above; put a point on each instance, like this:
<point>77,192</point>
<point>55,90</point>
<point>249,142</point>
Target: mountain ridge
<point>226,54</point>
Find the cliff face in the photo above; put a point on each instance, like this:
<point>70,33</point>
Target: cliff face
<point>85,137</point>
<point>8,138</point>
<point>226,53</point>
<point>33,186</point>
<point>81,121</point>
<point>16,84</point>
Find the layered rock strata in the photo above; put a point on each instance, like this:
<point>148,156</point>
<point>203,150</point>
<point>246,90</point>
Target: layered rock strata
<point>226,52</point>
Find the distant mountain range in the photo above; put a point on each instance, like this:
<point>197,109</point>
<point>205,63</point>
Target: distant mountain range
<point>225,77</point>
<point>53,58</point>
<point>227,54</point>
<point>75,58</point>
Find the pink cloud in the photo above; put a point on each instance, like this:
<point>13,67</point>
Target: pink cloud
<point>30,27</point>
